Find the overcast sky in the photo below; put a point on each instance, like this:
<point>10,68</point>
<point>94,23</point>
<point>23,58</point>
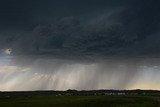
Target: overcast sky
<point>80,44</point>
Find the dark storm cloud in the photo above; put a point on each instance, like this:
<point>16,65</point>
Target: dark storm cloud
<point>82,44</point>
<point>81,28</point>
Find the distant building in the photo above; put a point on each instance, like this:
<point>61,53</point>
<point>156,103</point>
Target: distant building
<point>121,94</point>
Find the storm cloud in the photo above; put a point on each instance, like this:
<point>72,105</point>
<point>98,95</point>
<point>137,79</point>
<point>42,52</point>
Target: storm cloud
<point>122,30</point>
<point>78,44</point>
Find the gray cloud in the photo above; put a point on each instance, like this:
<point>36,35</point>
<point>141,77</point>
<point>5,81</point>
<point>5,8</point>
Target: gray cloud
<point>62,45</point>
<point>119,31</point>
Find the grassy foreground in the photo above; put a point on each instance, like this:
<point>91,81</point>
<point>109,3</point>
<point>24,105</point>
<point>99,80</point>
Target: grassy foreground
<point>79,101</point>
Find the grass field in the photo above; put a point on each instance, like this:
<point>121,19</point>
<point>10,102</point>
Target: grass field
<point>78,101</point>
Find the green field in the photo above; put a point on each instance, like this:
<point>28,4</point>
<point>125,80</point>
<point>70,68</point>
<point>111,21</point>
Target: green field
<point>79,101</point>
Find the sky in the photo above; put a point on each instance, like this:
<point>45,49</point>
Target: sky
<point>79,44</point>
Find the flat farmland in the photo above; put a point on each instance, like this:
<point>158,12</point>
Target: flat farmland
<point>79,101</point>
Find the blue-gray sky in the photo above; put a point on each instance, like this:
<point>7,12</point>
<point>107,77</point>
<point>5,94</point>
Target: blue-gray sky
<point>112,43</point>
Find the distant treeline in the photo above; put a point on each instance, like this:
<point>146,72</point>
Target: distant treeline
<point>77,92</point>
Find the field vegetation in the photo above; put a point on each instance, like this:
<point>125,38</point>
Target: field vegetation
<point>79,101</point>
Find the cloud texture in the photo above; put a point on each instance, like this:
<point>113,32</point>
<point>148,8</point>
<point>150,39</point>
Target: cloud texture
<point>78,44</point>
